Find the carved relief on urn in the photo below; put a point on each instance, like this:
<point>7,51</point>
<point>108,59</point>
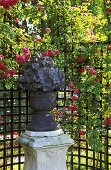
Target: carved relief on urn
<point>42,79</point>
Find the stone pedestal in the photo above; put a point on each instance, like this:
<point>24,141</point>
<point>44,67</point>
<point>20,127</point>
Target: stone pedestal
<point>45,152</point>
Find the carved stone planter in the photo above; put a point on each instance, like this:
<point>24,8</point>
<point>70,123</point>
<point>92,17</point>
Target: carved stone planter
<point>42,103</point>
<point>44,143</point>
<point>42,79</point>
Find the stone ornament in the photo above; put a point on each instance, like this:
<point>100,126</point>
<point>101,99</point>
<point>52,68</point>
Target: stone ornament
<point>42,79</point>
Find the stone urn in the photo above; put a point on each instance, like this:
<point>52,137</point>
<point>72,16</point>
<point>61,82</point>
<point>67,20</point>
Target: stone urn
<point>45,145</point>
<point>42,79</point>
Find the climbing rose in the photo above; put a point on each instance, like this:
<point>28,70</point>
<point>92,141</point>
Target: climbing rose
<point>45,54</point>
<point>97,80</point>
<point>8,3</point>
<point>75,90</point>
<point>93,71</point>
<point>87,67</point>
<point>5,4</point>
<point>70,84</point>
<point>13,2</point>
<point>80,59</point>
<point>81,132</point>
<point>1,57</point>
<point>73,108</point>
<point>27,56</point>
<point>48,30</point>
<point>5,75</point>
<point>12,72</point>
<point>109,10</point>
<point>25,50</point>
<point>109,121</point>
<point>3,66</point>
<point>24,1</point>
<point>57,52</point>
<point>48,53</point>
<point>40,39</point>
<point>82,70</point>
<point>74,98</point>
<point>20,59</point>
<point>16,20</point>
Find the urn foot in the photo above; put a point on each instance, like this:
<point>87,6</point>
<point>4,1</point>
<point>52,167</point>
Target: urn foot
<point>42,121</point>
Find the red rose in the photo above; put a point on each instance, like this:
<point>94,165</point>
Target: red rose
<point>97,80</point>
<point>109,121</point>
<point>80,59</point>
<point>73,108</point>
<point>12,72</point>
<point>75,90</point>
<point>74,98</point>
<point>27,56</point>
<point>45,54</point>
<point>3,66</point>
<point>57,52</point>
<point>5,75</point>
<point>5,4</point>
<point>109,10</point>
<point>82,70</point>
<point>24,1</point>
<point>50,53</point>
<point>70,84</point>
<point>13,2</point>
<point>20,59</point>
<point>81,132</point>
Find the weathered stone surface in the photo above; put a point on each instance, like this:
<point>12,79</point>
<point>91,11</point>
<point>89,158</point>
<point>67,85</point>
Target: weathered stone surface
<point>45,153</point>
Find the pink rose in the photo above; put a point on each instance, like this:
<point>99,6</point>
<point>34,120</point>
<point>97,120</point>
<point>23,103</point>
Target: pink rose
<point>57,52</point>
<point>20,59</point>
<point>12,72</point>
<point>27,56</point>
<point>1,57</point>
<point>48,30</point>
<point>25,50</point>
<point>45,54</point>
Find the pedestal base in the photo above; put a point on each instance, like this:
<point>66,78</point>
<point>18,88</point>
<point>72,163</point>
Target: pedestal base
<point>45,153</point>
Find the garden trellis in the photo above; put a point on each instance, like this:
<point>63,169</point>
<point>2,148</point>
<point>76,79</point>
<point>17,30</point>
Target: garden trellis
<point>80,30</point>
